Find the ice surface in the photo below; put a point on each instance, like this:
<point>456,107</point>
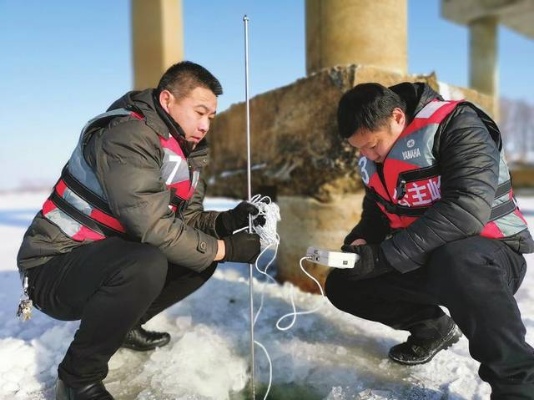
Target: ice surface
<point>326,355</point>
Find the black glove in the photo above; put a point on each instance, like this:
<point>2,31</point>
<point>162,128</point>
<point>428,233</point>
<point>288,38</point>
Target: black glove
<point>242,247</point>
<point>229,221</point>
<point>371,263</point>
<point>352,236</point>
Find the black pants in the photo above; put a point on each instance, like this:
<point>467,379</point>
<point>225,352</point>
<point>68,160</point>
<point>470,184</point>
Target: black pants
<point>475,279</point>
<point>110,285</point>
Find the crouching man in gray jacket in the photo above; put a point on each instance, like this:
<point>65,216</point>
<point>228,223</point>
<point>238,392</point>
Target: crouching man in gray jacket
<point>124,234</point>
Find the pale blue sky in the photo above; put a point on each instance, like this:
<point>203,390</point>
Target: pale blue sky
<point>62,62</point>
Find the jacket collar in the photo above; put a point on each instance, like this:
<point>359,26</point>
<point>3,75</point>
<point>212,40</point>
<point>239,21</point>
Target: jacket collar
<point>147,103</point>
<point>416,95</point>
<point>174,129</point>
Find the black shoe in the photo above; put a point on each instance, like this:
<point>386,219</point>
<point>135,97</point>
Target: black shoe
<point>139,339</point>
<point>419,351</point>
<point>94,391</point>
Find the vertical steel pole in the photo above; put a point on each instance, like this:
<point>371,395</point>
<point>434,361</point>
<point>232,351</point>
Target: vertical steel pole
<point>249,186</point>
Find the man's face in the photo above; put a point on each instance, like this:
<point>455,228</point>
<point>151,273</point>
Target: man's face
<point>193,113</point>
<point>375,145</point>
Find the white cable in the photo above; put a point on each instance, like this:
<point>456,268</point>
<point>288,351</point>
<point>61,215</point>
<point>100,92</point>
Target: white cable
<point>270,368</point>
<point>269,238</point>
<point>264,273</point>
<point>294,313</point>
<point>269,277</point>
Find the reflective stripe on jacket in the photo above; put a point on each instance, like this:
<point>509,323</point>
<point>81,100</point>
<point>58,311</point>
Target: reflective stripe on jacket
<point>78,204</point>
<point>411,180</point>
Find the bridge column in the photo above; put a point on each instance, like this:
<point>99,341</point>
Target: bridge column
<point>340,32</point>
<point>157,39</point>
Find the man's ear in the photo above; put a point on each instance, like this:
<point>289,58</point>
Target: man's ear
<point>399,118</point>
<point>165,98</point>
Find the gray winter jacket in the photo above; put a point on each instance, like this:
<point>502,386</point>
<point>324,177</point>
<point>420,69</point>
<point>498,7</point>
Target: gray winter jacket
<point>127,156</point>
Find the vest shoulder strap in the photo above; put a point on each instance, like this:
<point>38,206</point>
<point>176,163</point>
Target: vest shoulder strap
<point>77,187</point>
<point>103,120</point>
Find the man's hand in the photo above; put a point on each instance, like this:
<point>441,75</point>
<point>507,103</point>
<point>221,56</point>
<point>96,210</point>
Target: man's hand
<point>371,263</point>
<point>229,221</point>
<point>242,247</point>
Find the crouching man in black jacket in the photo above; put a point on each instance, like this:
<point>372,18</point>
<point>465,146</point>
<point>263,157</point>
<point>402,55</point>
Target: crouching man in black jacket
<point>439,227</point>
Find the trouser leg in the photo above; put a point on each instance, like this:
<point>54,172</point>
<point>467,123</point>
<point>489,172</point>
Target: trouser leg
<point>109,285</point>
<point>180,282</point>
<point>476,279</point>
<point>392,299</point>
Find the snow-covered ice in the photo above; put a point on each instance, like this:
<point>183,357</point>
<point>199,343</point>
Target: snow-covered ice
<point>326,355</point>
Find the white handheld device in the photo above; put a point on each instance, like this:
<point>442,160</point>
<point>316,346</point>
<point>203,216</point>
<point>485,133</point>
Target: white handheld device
<point>335,259</point>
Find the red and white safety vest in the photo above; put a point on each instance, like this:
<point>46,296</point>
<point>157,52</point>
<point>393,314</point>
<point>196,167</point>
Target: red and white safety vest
<point>79,206</point>
<point>412,182</point>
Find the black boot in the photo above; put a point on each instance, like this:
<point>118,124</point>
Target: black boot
<point>420,350</point>
<point>94,391</point>
<point>139,339</point>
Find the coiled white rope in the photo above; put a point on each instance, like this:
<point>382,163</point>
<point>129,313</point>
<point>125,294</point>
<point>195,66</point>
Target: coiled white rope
<point>271,212</point>
<point>269,238</point>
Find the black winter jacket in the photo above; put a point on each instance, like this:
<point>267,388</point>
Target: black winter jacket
<point>468,159</point>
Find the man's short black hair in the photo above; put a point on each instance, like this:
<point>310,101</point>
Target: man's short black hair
<point>366,106</point>
<point>181,78</point>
